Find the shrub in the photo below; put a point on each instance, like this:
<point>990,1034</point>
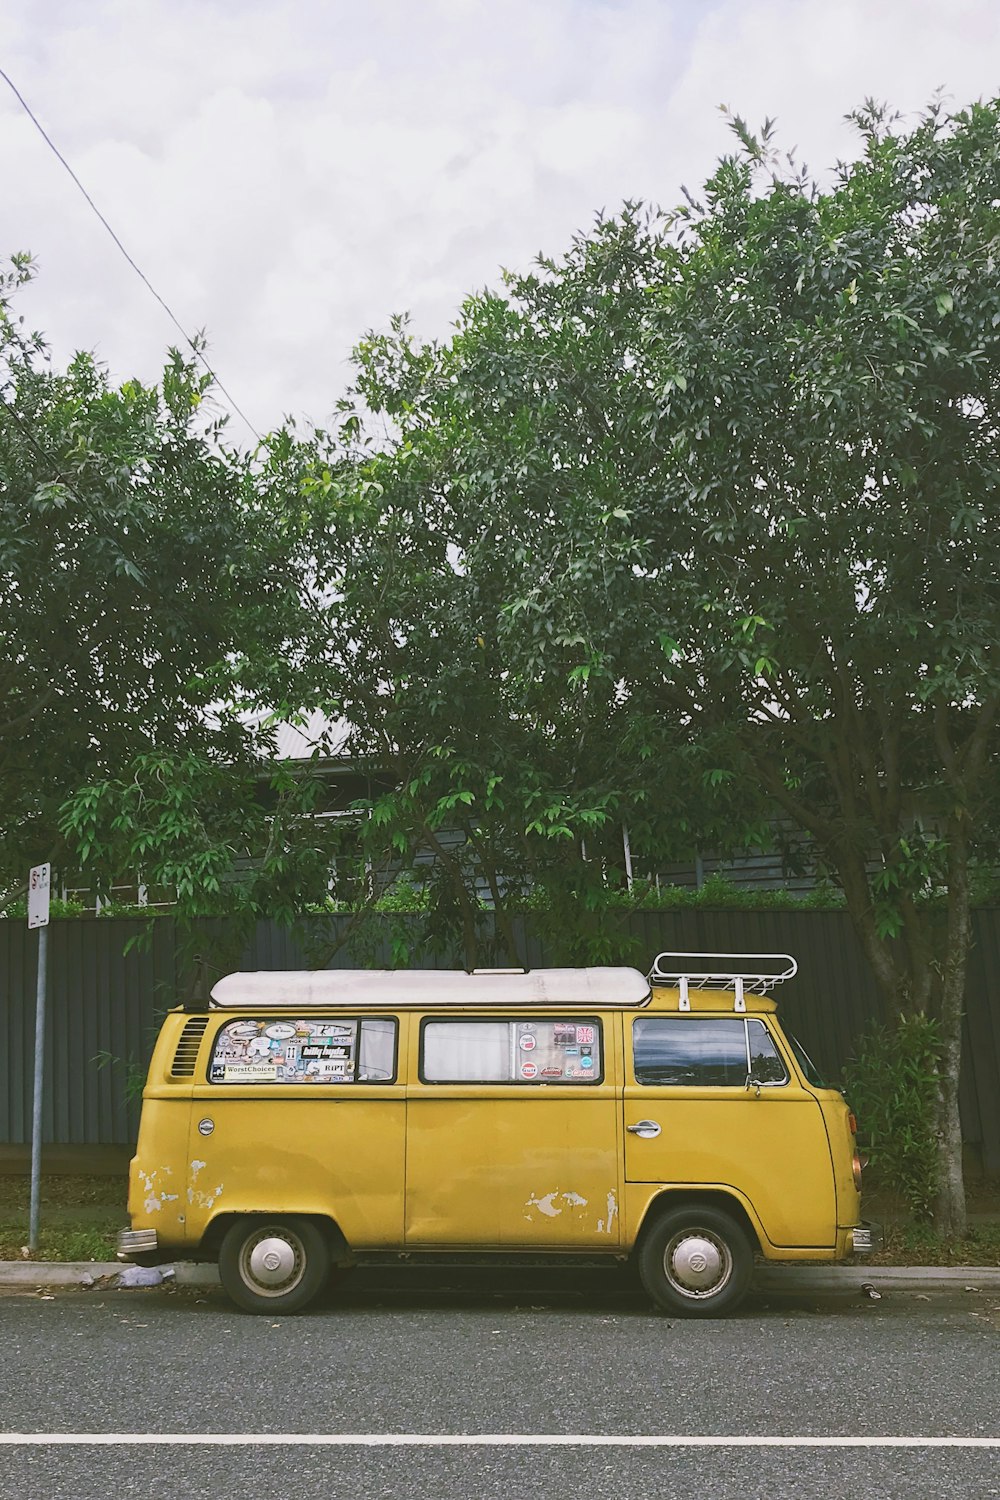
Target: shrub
<point>892,1085</point>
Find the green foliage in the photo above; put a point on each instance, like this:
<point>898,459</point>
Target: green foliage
<point>715,891</point>
<point>234,838</point>
<point>687,529</point>
<point>114,908</point>
<point>893,1085</point>
<point>404,895</point>
<point>132,1073</point>
<point>142,570</point>
<point>17,910</point>
<point>691,529</point>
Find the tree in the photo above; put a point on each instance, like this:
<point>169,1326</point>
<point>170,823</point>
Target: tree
<point>828,363</point>
<point>142,566</point>
<point>699,518</point>
<point>476,707</point>
<point>719,490</point>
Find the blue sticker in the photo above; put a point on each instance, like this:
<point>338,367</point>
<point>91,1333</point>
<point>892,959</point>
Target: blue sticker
<point>586,1062</point>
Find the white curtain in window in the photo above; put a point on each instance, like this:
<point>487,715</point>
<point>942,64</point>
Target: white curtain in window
<point>474,1051</point>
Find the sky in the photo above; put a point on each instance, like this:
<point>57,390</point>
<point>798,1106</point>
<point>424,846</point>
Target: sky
<point>288,175</point>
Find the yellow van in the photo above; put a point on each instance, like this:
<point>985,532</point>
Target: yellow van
<point>305,1121</point>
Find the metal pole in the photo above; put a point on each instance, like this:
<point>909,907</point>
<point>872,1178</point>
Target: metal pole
<point>36,1115</point>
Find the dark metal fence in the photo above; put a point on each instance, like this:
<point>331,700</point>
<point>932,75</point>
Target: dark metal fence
<point>105,1003</point>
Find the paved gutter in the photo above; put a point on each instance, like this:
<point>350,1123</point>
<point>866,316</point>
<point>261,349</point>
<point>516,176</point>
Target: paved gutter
<point>21,1273</point>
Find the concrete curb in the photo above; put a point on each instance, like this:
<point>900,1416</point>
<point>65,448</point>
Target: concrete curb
<point>882,1278</point>
<point>102,1275</point>
<point>93,1273</point>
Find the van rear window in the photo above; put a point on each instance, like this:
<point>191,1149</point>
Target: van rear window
<point>317,1049</point>
<point>519,1051</point>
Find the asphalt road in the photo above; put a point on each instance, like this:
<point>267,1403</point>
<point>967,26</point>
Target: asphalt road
<point>393,1357</point>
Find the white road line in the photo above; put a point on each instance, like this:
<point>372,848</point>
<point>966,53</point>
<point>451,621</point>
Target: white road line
<point>465,1440</point>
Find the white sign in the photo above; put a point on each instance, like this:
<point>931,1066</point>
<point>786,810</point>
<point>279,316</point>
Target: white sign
<point>38,895</point>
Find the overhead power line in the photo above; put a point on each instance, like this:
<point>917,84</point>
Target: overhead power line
<point>137,269</point>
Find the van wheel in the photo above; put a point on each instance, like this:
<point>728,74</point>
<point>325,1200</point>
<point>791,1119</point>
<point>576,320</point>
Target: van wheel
<point>696,1262</point>
<point>273,1265</point>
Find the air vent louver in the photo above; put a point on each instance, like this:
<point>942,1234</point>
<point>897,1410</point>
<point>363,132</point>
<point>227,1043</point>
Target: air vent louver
<point>186,1056</point>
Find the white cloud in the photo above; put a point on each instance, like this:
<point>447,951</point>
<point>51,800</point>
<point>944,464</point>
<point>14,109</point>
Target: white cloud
<point>289,174</point>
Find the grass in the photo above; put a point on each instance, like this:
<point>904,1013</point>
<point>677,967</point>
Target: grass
<point>57,1243</point>
<point>918,1245</point>
<point>906,1243</point>
<point>80,1216</point>
<point>67,1191</point>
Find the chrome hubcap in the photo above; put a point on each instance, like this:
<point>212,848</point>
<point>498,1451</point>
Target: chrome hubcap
<point>697,1264</point>
<point>272,1262</point>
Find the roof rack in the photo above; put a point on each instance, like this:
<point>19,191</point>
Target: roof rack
<point>755,973</point>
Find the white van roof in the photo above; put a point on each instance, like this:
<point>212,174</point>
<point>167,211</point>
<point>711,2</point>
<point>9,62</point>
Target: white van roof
<point>386,988</point>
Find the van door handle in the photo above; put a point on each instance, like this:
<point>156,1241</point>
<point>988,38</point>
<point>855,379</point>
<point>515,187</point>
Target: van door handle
<point>646,1128</point>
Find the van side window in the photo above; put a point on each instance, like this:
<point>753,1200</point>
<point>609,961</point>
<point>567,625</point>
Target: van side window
<point>518,1051</point>
<point>704,1052</point>
<point>276,1049</point>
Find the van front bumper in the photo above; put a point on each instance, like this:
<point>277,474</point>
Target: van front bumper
<point>132,1242</point>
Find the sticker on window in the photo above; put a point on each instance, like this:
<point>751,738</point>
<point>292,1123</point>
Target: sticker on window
<point>494,1051</point>
<point>304,1051</point>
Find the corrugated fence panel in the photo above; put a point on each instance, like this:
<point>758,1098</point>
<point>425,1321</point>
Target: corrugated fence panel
<point>16,1028</point>
<point>105,1003</point>
<point>102,1014</point>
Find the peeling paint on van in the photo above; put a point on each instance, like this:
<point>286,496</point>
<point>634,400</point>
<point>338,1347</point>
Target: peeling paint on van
<point>550,1208</point>
<point>153,1201</point>
<point>203,1198</point>
<point>605,1226</point>
<point>544,1205</point>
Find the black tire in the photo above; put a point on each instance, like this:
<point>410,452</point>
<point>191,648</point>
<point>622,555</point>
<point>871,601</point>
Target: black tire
<point>273,1265</point>
<point>696,1262</point>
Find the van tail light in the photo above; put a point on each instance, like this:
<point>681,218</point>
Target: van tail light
<point>856,1166</point>
<point>852,1122</point>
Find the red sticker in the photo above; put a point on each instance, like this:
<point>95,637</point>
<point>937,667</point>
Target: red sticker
<point>527,1043</point>
<point>529,1070</point>
<point>552,1072</point>
<point>585,1033</point>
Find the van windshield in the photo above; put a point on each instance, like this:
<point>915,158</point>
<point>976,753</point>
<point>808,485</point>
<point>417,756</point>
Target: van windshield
<point>805,1062</point>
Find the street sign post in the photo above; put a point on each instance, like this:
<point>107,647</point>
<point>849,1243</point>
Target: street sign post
<point>39,880</point>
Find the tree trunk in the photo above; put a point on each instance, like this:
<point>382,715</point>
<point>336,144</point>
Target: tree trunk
<point>907,987</point>
<point>466,905</point>
<point>949,1208</point>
